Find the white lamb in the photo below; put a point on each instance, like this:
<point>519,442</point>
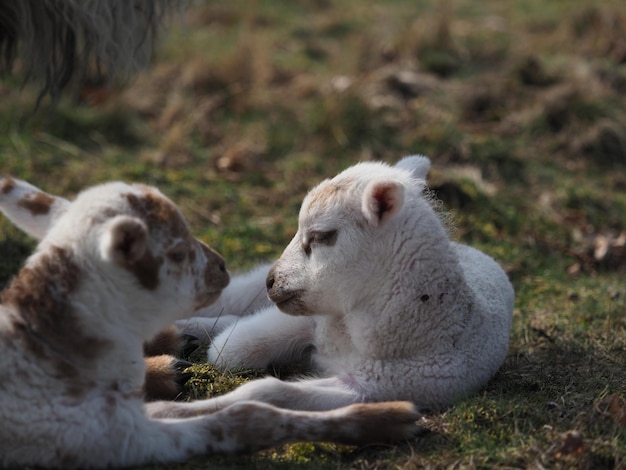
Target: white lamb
<point>114,267</point>
<point>390,306</point>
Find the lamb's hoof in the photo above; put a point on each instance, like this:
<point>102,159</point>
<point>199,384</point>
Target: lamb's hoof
<point>165,376</point>
<point>190,344</point>
<point>182,377</point>
<point>171,341</point>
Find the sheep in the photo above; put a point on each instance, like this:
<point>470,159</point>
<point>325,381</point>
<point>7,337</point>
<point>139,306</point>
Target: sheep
<point>115,266</point>
<point>62,42</point>
<point>372,284</point>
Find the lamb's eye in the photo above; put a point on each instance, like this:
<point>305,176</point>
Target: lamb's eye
<point>327,238</point>
<point>177,254</point>
<point>324,238</point>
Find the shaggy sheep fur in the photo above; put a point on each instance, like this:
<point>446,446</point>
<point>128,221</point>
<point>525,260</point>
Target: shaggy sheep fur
<point>62,41</point>
<point>371,282</point>
<point>117,265</point>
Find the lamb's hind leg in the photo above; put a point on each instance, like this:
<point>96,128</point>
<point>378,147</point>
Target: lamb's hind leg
<point>251,426</point>
<point>134,439</point>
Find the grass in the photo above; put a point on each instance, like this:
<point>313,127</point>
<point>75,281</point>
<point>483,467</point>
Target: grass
<point>521,108</point>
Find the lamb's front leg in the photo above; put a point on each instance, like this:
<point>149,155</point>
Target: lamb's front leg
<point>310,395</point>
<point>205,328</point>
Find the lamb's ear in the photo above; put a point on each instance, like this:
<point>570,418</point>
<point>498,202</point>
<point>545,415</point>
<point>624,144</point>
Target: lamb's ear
<point>125,240</point>
<point>381,200</point>
<point>418,165</point>
<point>29,208</point>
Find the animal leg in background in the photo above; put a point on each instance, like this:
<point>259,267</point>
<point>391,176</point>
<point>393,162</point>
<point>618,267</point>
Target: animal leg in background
<point>266,338</point>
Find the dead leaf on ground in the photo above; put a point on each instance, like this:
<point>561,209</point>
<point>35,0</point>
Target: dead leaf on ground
<point>613,406</point>
<point>617,407</point>
<point>573,445</point>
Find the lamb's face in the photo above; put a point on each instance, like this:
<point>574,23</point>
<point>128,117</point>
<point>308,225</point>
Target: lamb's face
<point>140,245</point>
<point>336,253</point>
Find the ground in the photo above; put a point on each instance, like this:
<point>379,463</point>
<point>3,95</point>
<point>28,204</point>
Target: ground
<point>521,106</point>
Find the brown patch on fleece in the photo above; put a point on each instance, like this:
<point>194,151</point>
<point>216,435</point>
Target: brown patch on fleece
<point>321,197</point>
<point>45,319</point>
<point>146,270</point>
<point>39,204</point>
<point>160,215</point>
<point>215,275</point>
<point>7,186</point>
<point>366,423</point>
<point>158,212</point>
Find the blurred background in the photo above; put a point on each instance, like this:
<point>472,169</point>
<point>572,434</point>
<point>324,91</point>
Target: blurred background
<point>245,105</point>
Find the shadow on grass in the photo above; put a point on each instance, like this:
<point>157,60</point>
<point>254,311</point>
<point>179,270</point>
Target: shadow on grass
<point>561,378</point>
<point>12,256</point>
